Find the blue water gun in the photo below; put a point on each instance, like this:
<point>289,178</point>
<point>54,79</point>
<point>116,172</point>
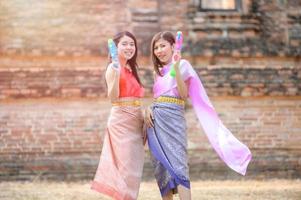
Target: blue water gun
<point>113,53</point>
<point>178,46</point>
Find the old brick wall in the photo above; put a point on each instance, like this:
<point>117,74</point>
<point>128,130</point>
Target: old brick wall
<point>53,55</point>
<point>85,78</point>
<point>72,28</point>
<point>68,28</point>
<point>59,28</point>
<point>61,42</point>
<point>61,139</point>
<point>52,77</point>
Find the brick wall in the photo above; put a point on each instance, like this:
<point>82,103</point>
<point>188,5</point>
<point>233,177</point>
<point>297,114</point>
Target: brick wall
<point>270,28</point>
<point>60,28</point>
<point>61,139</point>
<point>63,78</point>
<point>40,44</point>
<point>68,28</point>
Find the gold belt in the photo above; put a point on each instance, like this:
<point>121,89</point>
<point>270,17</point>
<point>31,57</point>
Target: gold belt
<point>127,103</point>
<point>174,100</point>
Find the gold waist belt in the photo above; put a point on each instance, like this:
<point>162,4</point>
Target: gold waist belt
<point>127,103</point>
<point>170,100</point>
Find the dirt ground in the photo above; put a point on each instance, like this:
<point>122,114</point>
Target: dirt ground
<point>209,190</point>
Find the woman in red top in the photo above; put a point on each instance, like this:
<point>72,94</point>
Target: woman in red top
<point>121,162</point>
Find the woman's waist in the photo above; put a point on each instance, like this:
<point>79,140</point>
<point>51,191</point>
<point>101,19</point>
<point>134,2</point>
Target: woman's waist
<point>127,101</point>
<point>170,99</point>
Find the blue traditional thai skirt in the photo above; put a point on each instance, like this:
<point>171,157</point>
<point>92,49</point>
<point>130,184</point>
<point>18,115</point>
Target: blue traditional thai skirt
<point>167,141</point>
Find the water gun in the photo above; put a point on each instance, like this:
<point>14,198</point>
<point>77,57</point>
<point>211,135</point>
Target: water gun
<point>178,46</point>
<point>113,53</point>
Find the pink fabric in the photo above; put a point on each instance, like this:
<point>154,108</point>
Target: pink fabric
<point>174,91</point>
<point>234,153</point>
<point>121,163</point>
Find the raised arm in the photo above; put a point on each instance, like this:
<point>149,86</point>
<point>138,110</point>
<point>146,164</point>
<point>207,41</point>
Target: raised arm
<point>181,85</point>
<point>112,79</point>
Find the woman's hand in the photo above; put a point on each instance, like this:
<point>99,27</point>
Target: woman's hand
<point>144,134</point>
<point>149,117</point>
<point>181,85</point>
<point>176,60</point>
<point>176,56</point>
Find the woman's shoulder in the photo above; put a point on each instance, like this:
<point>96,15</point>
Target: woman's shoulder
<point>186,69</point>
<point>184,62</point>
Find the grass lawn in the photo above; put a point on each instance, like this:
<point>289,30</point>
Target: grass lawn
<point>208,190</point>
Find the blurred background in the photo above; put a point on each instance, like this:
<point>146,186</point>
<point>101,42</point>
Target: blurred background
<point>53,106</point>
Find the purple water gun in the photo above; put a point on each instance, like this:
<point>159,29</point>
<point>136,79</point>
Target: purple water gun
<point>178,46</point>
<point>113,53</point>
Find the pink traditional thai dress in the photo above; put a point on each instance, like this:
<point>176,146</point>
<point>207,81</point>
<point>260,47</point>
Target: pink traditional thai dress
<point>121,162</point>
<point>167,140</point>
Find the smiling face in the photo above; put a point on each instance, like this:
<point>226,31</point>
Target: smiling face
<point>127,51</point>
<point>126,47</point>
<point>162,47</point>
<point>163,50</point>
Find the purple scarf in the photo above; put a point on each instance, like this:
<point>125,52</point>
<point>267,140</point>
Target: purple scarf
<point>234,153</point>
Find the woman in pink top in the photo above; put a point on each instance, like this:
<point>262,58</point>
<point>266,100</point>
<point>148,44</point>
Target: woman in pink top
<point>121,162</point>
<point>166,134</point>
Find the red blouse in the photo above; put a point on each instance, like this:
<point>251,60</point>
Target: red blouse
<point>128,85</point>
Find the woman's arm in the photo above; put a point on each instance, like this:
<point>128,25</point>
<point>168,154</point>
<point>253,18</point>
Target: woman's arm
<point>181,85</point>
<point>148,113</point>
<point>112,79</point>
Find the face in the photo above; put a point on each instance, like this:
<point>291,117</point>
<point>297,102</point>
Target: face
<point>163,50</point>
<point>126,47</point>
